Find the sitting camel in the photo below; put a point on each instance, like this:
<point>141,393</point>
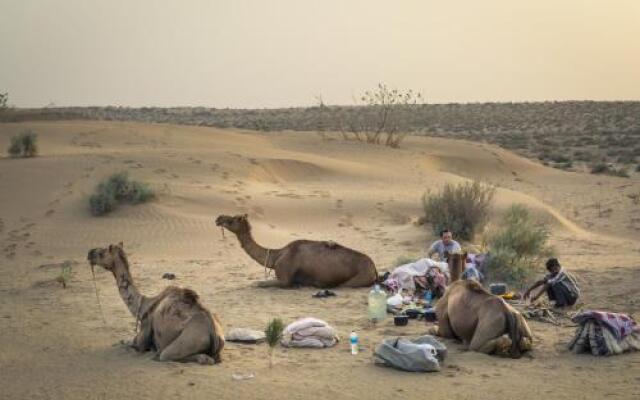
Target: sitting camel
<point>469,313</point>
<point>305,262</point>
<point>173,323</point>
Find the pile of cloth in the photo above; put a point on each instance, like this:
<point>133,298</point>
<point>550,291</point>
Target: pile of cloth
<point>422,354</point>
<point>604,333</point>
<point>402,278</point>
<point>309,332</point>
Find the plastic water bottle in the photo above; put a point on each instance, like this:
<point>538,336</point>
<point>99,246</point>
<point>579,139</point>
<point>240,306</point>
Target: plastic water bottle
<point>428,297</point>
<point>377,304</point>
<point>353,339</point>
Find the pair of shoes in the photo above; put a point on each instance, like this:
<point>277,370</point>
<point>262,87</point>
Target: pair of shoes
<point>324,293</point>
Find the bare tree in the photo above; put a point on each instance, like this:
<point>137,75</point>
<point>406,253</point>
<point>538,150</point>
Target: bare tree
<point>382,117</point>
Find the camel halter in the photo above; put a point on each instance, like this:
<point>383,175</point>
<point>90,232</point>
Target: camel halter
<point>267,272</point>
<point>95,286</point>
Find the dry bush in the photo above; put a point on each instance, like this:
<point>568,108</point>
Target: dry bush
<point>24,145</point>
<point>463,209</point>
<point>118,189</point>
<point>518,248</point>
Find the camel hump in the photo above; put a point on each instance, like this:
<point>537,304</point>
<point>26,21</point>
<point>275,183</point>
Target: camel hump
<point>331,244</point>
<point>190,296</point>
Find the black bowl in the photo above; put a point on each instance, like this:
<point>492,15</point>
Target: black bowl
<point>400,320</point>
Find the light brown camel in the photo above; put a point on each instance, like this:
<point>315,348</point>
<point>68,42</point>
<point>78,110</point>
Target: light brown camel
<point>469,313</point>
<point>173,323</point>
<point>305,262</point>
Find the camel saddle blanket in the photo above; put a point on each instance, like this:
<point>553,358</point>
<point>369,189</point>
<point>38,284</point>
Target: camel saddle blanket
<point>605,334</point>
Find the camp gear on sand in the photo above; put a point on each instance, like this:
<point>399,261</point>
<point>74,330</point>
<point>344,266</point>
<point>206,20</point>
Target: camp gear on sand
<point>323,293</point>
<point>498,288</point>
<point>245,335</point>
<point>309,332</point>
<point>402,277</point>
<point>605,334</point>
<point>422,354</point>
<point>400,320</point>
<point>377,304</point>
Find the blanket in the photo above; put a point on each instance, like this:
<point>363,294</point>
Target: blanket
<point>402,276</point>
<point>604,334</point>
<point>309,332</point>
<point>620,324</point>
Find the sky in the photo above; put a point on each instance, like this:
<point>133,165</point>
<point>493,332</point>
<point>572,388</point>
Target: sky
<point>287,53</point>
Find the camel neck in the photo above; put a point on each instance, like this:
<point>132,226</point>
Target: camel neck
<point>128,290</point>
<point>255,251</point>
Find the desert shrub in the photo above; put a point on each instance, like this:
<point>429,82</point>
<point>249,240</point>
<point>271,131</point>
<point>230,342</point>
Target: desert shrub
<point>518,247</point>
<point>462,208</point>
<point>602,168</point>
<point>118,189</point>
<point>24,145</point>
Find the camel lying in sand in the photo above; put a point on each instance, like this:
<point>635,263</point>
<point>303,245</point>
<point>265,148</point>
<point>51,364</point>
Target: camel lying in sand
<point>469,313</point>
<point>305,262</point>
<point>173,323</point>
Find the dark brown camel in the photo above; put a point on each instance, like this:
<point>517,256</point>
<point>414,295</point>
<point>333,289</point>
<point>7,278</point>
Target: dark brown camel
<point>305,262</point>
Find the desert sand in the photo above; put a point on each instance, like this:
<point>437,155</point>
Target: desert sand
<point>54,343</point>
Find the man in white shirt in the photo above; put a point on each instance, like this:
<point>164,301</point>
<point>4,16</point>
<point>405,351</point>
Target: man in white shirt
<point>446,244</point>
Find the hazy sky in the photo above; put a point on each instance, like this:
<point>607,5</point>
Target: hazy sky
<point>274,53</point>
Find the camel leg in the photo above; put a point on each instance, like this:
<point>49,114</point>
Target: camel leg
<point>361,279</point>
<point>191,344</point>
<point>144,339</point>
<point>486,336</point>
<point>443,328</point>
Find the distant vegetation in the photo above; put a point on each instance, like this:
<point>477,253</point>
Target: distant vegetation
<point>118,189</point>
<point>463,208</point>
<point>24,145</point>
<point>608,169</point>
<point>568,135</point>
<point>518,248</point>
<point>4,98</point>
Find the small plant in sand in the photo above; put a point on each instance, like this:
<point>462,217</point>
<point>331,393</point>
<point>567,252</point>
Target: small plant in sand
<point>65,274</point>
<point>273,334</point>
<point>23,145</point>
<point>118,189</point>
<point>463,208</point>
<point>518,248</point>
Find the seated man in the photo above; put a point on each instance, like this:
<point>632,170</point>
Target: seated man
<point>560,286</point>
<point>446,244</point>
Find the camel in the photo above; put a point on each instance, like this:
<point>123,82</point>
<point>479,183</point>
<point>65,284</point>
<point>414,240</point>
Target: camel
<point>456,263</point>
<point>305,262</point>
<point>469,313</point>
<point>173,323</point>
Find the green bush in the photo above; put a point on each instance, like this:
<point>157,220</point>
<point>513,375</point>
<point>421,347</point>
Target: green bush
<point>118,189</point>
<point>518,248</point>
<point>24,145</point>
<point>463,208</point>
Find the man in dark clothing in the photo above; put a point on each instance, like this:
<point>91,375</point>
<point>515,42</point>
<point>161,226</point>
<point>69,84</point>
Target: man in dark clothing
<point>562,288</point>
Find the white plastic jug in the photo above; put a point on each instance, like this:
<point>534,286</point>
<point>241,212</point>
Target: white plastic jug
<point>377,304</point>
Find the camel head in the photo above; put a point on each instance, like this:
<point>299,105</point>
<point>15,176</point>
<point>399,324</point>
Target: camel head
<point>236,224</point>
<point>106,257</point>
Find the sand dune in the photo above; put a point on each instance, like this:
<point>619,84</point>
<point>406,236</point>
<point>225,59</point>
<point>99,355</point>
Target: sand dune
<point>54,343</point>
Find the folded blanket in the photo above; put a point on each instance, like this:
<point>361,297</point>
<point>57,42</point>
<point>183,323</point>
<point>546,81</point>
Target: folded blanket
<point>309,332</point>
